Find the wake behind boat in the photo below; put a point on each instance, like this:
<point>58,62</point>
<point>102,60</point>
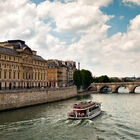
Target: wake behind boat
<point>85,110</point>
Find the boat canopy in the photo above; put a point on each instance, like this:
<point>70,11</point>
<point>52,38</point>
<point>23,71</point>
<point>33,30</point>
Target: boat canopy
<point>85,105</point>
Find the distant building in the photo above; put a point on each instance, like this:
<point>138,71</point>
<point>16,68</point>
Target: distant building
<point>71,67</point>
<point>78,65</point>
<point>137,79</point>
<point>60,73</point>
<point>21,67</point>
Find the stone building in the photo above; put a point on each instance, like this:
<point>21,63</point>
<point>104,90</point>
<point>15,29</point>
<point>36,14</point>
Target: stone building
<point>60,73</point>
<point>71,67</point>
<point>21,67</point>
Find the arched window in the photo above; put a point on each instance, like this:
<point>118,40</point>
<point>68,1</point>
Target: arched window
<point>29,75</point>
<point>5,85</point>
<point>9,74</point>
<point>35,75</point>
<point>39,85</point>
<point>26,75</point>
<point>10,85</point>
<point>14,85</point>
<point>23,75</point>
<point>0,85</point>
<point>5,74</point>
<point>38,76</point>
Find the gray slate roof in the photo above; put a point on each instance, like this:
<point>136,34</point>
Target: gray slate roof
<point>18,44</point>
<point>6,50</point>
<point>37,57</point>
<point>55,64</point>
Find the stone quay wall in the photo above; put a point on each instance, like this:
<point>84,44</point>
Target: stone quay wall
<point>22,98</point>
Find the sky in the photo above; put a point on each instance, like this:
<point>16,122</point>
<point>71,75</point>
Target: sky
<point>103,35</point>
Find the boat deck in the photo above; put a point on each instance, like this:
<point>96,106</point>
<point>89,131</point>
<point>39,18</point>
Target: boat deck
<point>84,105</point>
<point>85,110</point>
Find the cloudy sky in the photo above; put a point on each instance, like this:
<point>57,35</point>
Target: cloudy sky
<point>103,35</point>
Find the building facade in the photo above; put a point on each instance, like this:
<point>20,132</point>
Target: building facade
<point>60,73</point>
<point>71,67</point>
<point>21,67</point>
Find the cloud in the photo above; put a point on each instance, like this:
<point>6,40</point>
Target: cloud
<point>137,2</point>
<point>118,55</point>
<point>69,19</point>
<point>18,19</point>
<point>42,26</point>
<point>97,3</point>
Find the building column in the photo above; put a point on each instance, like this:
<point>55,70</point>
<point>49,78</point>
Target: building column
<point>131,89</point>
<point>98,89</point>
<point>114,90</point>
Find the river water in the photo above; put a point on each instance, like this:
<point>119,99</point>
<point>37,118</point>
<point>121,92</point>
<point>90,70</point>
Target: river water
<point>119,120</point>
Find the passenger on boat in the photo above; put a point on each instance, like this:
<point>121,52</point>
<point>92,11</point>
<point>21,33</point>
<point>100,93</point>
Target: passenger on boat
<point>75,113</point>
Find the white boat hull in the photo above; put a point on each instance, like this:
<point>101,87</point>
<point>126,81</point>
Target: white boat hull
<point>88,117</point>
<point>95,114</point>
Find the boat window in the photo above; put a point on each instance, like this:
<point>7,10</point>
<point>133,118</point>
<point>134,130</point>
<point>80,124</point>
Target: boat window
<point>93,108</point>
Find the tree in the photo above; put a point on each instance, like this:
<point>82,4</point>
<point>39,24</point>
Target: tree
<point>105,79</point>
<point>102,79</point>
<point>82,78</point>
<point>115,80</point>
<point>77,78</point>
<point>87,78</point>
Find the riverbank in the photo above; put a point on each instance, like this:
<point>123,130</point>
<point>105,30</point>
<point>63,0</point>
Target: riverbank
<point>22,98</point>
<point>83,93</point>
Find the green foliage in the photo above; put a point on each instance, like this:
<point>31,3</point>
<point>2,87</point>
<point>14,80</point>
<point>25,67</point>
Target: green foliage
<point>102,79</point>
<point>115,80</point>
<point>82,78</point>
<point>77,78</point>
<point>126,80</point>
<point>105,79</point>
<point>86,78</point>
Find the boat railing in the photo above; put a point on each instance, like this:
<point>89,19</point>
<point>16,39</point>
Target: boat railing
<point>71,114</point>
<point>83,105</point>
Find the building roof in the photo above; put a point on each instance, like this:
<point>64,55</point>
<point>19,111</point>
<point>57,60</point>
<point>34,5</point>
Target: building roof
<point>53,64</point>
<point>37,57</point>
<point>6,50</point>
<point>18,44</point>
<point>59,63</point>
<point>15,41</point>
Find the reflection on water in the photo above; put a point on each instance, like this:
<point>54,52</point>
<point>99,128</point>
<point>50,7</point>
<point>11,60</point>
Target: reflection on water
<point>137,90</point>
<point>107,90</point>
<point>120,119</point>
<point>123,90</point>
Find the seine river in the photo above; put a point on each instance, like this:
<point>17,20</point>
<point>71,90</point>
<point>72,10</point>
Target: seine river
<point>119,120</point>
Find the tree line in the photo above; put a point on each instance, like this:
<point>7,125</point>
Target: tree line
<point>83,78</point>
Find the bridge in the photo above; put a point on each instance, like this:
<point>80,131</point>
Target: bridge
<point>114,86</point>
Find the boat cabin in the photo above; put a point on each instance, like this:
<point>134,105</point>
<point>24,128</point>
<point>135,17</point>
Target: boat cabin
<point>84,109</point>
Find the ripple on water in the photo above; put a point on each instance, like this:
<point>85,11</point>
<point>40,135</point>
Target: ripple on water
<point>129,131</point>
<point>49,122</point>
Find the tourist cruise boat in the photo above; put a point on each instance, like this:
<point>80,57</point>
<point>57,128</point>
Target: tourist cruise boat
<point>85,110</point>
